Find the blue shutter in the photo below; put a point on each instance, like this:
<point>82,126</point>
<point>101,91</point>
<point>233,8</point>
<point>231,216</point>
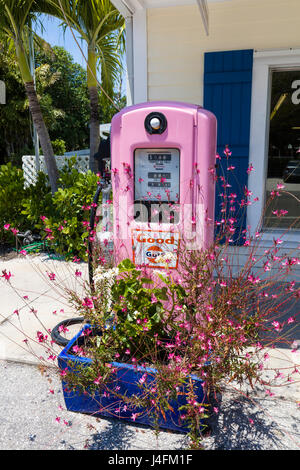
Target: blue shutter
<point>227,93</point>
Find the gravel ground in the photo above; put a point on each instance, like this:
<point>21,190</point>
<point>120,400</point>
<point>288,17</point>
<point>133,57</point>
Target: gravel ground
<point>33,418</point>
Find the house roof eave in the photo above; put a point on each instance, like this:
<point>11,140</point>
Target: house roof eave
<point>127,8</point>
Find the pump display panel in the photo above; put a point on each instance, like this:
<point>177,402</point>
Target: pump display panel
<point>157,174</point>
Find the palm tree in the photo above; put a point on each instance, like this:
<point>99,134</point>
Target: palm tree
<point>15,16</point>
<point>102,27</point>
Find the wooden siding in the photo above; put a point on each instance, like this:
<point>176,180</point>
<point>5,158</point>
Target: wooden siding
<point>177,40</point>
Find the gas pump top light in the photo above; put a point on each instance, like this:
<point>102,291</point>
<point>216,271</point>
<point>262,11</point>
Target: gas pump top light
<point>155,123</point>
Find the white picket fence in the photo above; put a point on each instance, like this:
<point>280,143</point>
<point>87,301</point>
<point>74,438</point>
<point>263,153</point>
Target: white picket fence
<point>29,166</point>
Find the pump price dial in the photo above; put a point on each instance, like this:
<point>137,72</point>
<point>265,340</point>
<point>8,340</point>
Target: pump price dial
<point>159,157</point>
<point>157,174</point>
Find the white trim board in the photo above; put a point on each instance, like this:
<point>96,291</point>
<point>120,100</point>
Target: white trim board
<point>263,62</point>
<point>135,15</point>
<point>140,56</point>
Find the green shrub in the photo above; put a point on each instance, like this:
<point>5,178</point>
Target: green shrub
<point>12,194</point>
<point>59,146</point>
<point>66,221</point>
<point>61,219</point>
<point>38,201</point>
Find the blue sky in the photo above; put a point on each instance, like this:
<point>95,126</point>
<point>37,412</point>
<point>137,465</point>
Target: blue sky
<point>54,34</point>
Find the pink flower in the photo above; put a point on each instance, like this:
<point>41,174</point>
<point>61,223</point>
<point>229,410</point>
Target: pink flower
<point>98,380</point>
<point>23,252</point>
<point>6,275</point>
<point>253,279</point>
<point>42,338</point>
<point>227,151</point>
<point>77,349</point>
<point>87,302</point>
<point>6,226</point>
<point>247,192</point>
<point>62,328</point>
<point>277,325</point>
<point>64,372</point>
<point>51,276</point>
<point>78,273</point>
<point>143,379</point>
<point>250,168</point>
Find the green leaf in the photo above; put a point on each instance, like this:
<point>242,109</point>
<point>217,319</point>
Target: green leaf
<point>146,280</point>
<point>126,265</point>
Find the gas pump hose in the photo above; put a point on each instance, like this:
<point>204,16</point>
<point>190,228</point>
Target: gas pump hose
<point>55,332</point>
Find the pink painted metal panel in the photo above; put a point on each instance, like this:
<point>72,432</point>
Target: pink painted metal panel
<point>191,130</point>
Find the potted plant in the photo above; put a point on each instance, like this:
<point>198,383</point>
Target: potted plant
<point>125,362</point>
<point>155,350</point>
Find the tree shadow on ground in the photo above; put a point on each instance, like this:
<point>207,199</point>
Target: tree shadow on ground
<point>114,436</point>
<point>242,425</point>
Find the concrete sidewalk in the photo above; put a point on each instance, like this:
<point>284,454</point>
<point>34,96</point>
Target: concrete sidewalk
<point>31,302</point>
<point>45,305</point>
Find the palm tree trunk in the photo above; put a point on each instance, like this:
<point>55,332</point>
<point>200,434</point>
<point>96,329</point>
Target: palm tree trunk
<point>94,104</point>
<point>37,117</point>
<point>94,126</point>
<point>43,134</point>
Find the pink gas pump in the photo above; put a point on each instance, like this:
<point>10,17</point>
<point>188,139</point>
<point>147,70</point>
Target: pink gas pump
<point>162,160</point>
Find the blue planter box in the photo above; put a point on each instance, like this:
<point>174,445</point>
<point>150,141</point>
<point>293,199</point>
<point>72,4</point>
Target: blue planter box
<point>127,378</point>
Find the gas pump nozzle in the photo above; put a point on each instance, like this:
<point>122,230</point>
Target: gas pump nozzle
<point>106,222</point>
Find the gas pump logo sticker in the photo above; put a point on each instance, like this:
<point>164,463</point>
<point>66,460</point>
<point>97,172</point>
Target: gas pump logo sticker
<point>153,252</point>
<point>149,245</point>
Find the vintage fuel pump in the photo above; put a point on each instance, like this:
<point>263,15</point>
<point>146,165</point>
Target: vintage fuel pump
<point>162,164</point>
<point>163,157</point>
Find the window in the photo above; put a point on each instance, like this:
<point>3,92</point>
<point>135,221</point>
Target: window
<point>283,165</point>
<point>265,65</point>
